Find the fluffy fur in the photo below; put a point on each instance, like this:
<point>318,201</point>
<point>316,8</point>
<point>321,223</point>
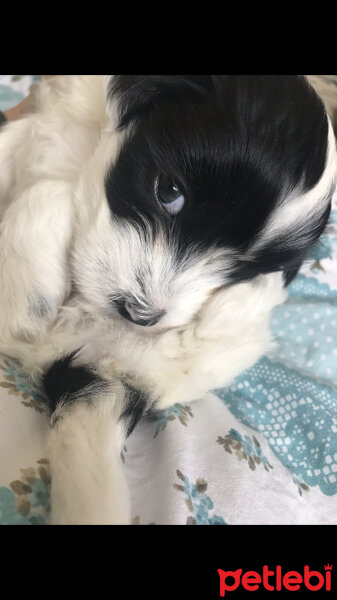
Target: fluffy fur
<point>116,301</point>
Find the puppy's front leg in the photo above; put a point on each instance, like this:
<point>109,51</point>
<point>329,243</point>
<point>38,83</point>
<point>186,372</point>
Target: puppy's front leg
<point>88,429</point>
<point>88,486</point>
<point>35,234</point>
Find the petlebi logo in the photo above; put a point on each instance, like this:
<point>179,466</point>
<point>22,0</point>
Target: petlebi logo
<point>276,579</point>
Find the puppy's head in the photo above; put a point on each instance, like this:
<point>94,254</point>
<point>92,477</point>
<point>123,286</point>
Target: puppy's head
<point>208,181</point>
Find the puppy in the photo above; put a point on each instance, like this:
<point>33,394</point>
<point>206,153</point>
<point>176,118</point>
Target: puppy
<point>149,226</point>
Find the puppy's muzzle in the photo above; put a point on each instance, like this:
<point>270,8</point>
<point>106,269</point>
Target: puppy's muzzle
<point>138,314</point>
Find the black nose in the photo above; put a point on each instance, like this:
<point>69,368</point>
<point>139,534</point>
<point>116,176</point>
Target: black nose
<point>136,314</point>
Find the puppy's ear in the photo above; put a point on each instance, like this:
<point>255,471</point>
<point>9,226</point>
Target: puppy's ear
<point>136,94</point>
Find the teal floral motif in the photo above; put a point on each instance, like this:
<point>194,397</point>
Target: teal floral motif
<point>18,384</point>
<point>9,514</point>
<point>198,503</point>
<point>301,486</point>
<point>182,412</point>
<point>245,447</point>
<point>27,500</point>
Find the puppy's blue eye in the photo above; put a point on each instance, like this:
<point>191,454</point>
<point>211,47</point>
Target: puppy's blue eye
<point>169,195</point>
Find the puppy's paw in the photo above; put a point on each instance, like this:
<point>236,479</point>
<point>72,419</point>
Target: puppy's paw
<point>179,343</point>
<point>24,313</point>
<point>239,305</point>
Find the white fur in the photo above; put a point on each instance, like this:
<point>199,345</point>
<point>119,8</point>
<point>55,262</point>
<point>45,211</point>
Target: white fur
<point>298,209</point>
<point>88,485</point>
<point>58,230</point>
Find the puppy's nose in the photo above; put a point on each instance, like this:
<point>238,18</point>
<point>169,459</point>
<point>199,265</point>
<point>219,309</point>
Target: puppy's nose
<point>137,315</point>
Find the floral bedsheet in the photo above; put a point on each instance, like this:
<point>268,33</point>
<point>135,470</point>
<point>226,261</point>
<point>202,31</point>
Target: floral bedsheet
<point>263,451</point>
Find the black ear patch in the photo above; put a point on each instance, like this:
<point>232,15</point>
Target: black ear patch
<point>136,94</point>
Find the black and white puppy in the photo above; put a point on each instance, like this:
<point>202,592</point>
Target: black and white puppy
<point>148,227</point>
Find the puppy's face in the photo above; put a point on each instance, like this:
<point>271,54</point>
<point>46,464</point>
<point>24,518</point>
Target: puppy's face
<point>210,181</point>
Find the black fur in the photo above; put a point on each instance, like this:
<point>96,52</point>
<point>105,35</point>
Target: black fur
<point>138,93</point>
<point>285,253</point>
<point>145,320</point>
<point>67,382</point>
<point>136,402</point>
<point>233,145</point>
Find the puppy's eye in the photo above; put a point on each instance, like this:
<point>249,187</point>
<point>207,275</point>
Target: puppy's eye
<point>169,195</point>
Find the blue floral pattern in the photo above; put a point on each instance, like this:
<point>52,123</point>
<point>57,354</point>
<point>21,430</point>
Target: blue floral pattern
<point>27,500</point>
<point>198,503</point>
<point>245,447</point>
<point>181,412</point>
<point>18,384</point>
